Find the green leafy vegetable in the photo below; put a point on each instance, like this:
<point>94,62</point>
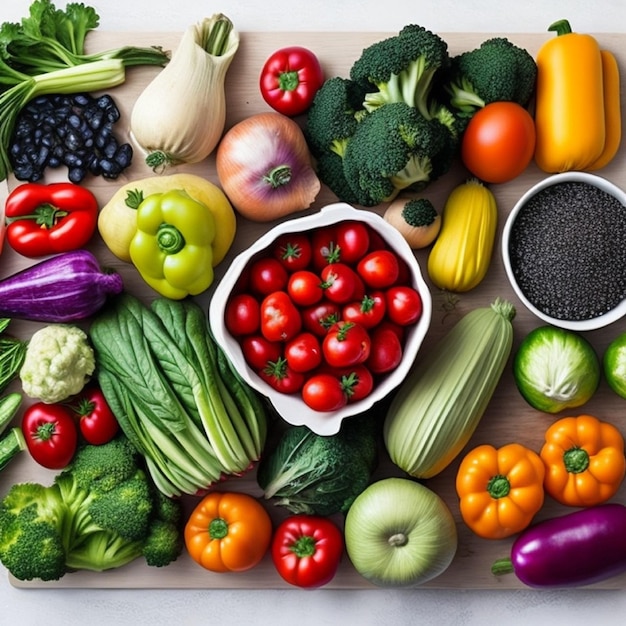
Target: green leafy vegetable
<point>45,54</point>
<point>12,352</point>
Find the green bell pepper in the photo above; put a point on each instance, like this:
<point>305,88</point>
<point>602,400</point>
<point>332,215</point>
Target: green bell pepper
<point>172,248</point>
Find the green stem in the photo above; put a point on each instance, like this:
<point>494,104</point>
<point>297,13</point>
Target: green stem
<point>215,39</point>
<point>279,176</point>
<point>169,239</point>
<point>499,486</point>
<point>560,27</point>
<point>218,528</point>
<point>576,460</point>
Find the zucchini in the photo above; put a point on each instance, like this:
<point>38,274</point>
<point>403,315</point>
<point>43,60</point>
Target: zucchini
<point>441,401</point>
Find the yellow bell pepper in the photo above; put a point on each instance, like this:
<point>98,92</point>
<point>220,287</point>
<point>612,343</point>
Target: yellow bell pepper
<point>569,109</point>
<point>500,490</point>
<point>584,459</point>
<point>117,221</point>
<point>172,248</point>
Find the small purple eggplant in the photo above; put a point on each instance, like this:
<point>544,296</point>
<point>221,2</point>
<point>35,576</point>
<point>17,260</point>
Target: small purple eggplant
<point>577,549</point>
<point>64,288</point>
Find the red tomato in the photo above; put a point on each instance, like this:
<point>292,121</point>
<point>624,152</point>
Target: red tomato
<point>290,78</point>
<point>50,433</point>
<point>499,142</point>
<point>268,274</point>
<point>369,311</point>
<point>258,351</point>
<point>323,392</point>
<point>320,317</point>
<point>306,550</point>
<point>281,377</point>
<point>352,239</point>
<point>340,283</point>
<point>357,382</point>
<point>304,352</point>
<point>97,423</point>
<point>379,269</point>
<point>404,305</point>
<point>386,351</point>
<point>293,251</point>
<point>346,344</point>
<point>324,246</point>
<point>280,319</point>
<point>305,288</point>
<point>242,315</point>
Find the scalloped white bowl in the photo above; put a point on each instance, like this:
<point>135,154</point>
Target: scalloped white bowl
<point>291,407</point>
<point>580,177</point>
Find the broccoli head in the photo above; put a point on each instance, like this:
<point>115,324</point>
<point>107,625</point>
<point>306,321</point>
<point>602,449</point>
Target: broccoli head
<point>394,148</point>
<point>101,512</point>
<point>401,68</point>
<point>497,70</point>
<point>316,474</point>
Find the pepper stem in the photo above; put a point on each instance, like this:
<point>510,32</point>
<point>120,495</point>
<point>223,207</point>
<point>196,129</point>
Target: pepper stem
<point>560,27</point>
<point>45,215</point>
<point>279,176</point>
<point>498,486</point>
<point>303,546</point>
<point>576,460</point>
<point>169,239</point>
<point>218,528</point>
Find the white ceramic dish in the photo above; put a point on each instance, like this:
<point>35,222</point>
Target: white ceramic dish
<point>291,407</point>
<point>567,177</point>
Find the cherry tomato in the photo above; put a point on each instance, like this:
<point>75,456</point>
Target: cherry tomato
<point>369,311</point>
<point>404,305</point>
<point>268,274</point>
<point>324,247</point>
<point>280,319</point>
<point>499,142</point>
<point>323,392</point>
<point>293,251</point>
<point>340,283</point>
<point>379,269</point>
<point>385,352</point>
<point>346,344</point>
<point>97,424</point>
<point>50,433</point>
<point>242,315</point>
<point>357,382</point>
<point>352,239</point>
<point>320,317</point>
<point>281,377</point>
<point>290,78</point>
<point>258,351</point>
<point>305,288</point>
<point>304,352</point>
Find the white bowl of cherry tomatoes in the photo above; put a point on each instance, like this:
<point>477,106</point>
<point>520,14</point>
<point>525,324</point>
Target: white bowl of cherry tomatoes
<point>324,315</point>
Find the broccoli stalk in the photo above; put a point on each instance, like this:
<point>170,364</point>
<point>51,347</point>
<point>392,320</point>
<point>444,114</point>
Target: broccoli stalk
<point>101,512</point>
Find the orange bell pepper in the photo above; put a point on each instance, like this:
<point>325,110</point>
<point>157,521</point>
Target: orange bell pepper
<point>228,532</point>
<point>500,490</point>
<point>584,459</point>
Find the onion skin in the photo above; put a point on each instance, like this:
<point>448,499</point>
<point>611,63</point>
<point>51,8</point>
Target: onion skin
<point>250,151</point>
<point>64,288</point>
<point>577,549</point>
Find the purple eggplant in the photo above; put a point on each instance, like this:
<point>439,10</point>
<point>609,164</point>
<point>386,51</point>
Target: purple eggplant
<point>580,548</point>
<point>63,288</point>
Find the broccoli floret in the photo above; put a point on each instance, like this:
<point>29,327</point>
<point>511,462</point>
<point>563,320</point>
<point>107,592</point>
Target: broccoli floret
<point>401,68</point>
<point>101,512</point>
<point>497,70</point>
<point>396,148</point>
<point>418,212</point>
<point>316,474</point>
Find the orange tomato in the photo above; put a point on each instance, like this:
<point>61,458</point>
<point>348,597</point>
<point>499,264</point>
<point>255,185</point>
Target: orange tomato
<point>228,532</point>
<point>499,142</point>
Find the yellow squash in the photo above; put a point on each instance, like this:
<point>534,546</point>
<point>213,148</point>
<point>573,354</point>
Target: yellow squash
<point>117,222</point>
<point>569,109</point>
<point>461,255</point>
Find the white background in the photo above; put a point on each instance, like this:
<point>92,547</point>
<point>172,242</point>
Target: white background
<point>324,607</point>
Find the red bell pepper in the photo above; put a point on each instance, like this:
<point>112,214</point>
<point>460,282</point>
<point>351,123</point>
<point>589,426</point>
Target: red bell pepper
<point>289,80</point>
<point>306,550</point>
<point>50,219</point>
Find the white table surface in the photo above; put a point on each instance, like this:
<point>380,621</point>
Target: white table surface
<point>394,607</point>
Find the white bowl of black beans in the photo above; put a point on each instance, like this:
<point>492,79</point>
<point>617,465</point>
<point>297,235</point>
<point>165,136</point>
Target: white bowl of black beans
<point>564,251</point>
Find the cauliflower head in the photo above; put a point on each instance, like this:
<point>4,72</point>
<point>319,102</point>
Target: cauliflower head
<point>59,361</point>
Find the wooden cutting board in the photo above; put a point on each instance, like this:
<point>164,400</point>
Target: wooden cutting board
<point>508,417</point>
